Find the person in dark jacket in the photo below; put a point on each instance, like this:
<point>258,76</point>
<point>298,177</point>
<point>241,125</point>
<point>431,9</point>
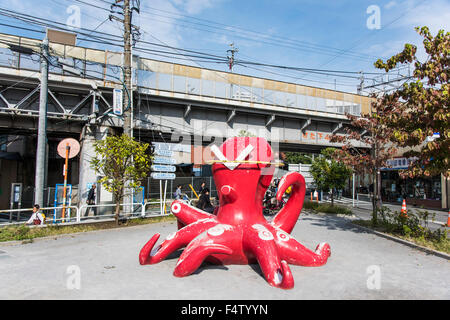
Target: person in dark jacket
<point>202,188</point>
<point>204,203</point>
<point>91,200</point>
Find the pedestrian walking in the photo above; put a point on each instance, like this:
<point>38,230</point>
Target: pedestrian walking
<point>91,201</point>
<point>204,203</point>
<point>177,193</point>
<point>202,188</point>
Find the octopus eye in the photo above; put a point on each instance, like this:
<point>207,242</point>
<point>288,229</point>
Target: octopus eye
<point>232,165</point>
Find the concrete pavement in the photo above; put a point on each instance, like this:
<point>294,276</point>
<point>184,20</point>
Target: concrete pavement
<point>107,265</point>
<point>363,210</point>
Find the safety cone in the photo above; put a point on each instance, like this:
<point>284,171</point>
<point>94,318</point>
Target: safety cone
<point>404,208</point>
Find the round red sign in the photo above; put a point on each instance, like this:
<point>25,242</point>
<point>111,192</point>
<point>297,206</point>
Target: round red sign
<point>73,144</point>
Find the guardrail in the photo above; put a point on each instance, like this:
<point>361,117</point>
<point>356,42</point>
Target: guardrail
<point>137,209</point>
<point>48,217</point>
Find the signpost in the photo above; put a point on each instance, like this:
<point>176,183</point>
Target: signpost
<point>68,149</point>
<point>163,169</point>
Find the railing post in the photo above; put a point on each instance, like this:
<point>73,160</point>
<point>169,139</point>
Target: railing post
<point>79,213</point>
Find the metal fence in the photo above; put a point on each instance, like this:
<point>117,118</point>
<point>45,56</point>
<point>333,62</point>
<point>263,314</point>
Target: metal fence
<point>21,216</point>
<point>74,214</point>
<point>153,187</point>
<point>78,212</point>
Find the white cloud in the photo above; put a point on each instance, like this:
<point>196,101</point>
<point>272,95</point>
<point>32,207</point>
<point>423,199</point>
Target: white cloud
<point>390,5</point>
<point>197,6</point>
<point>433,13</point>
<point>385,49</point>
<point>159,19</point>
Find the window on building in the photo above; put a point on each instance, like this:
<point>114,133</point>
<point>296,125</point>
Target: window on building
<point>3,143</point>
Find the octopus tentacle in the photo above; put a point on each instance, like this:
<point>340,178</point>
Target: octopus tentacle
<point>206,244</point>
<point>260,242</point>
<point>187,214</point>
<point>191,260</point>
<point>288,215</point>
<point>295,253</point>
<point>173,242</point>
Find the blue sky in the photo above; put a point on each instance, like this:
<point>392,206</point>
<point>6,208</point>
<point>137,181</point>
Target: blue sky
<point>301,33</point>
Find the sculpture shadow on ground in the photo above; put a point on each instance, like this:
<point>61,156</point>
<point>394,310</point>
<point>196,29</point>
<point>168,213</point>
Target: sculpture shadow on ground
<point>332,222</point>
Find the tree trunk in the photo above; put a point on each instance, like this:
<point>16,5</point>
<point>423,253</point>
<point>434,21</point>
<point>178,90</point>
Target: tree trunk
<point>117,213</point>
<point>332,197</point>
<point>374,199</point>
<point>380,201</point>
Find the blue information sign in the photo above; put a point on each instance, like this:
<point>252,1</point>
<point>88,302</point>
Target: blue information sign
<point>163,168</point>
<point>163,176</point>
<point>163,160</point>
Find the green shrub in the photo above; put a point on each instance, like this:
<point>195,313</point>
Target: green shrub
<point>326,208</point>
<point>310,205</point>
<point>412,226</point>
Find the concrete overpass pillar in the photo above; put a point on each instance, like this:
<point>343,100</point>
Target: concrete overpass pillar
<point>87,175</point>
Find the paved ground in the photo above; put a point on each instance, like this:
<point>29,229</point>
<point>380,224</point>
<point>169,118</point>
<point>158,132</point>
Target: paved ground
<point>109,268</point>
<point>364,211</point>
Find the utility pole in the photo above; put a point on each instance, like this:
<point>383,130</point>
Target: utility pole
<point>361,84</point>
<point>42,129</point>
<point>231,60</point>
<point>131,33</point>
<point>127,55</point>
<point>231,63</point>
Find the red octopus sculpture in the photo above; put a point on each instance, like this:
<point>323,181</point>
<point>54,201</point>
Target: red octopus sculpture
<point>239,233</point>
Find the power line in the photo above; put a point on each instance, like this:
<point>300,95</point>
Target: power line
<point>221,26</point>
<point>213,58</point>
<point>107,38</point>
<point>360,40</point>
<point>55,24</point>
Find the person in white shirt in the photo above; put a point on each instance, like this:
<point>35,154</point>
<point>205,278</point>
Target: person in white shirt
<point>36,218</point>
